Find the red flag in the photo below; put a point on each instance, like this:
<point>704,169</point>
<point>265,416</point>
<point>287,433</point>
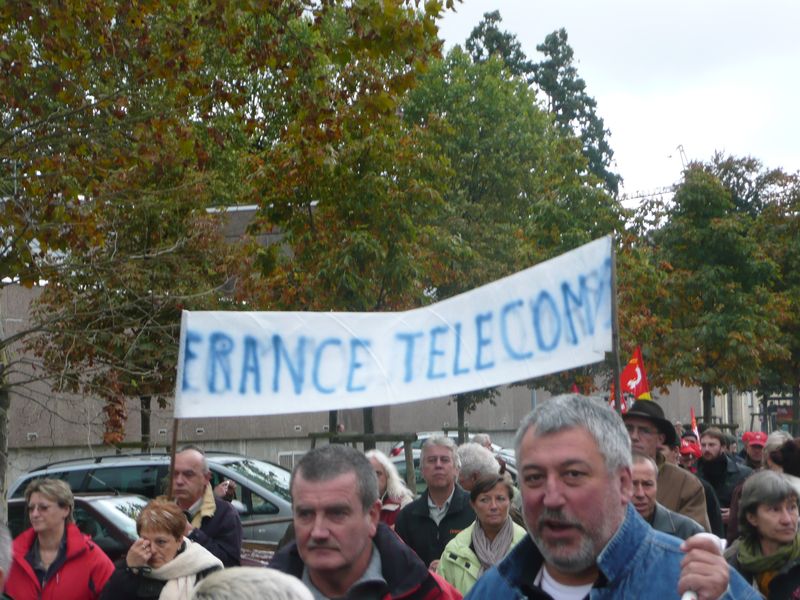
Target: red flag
<point>694,424</point>
<point>634,379</point>
<point>623,401</point>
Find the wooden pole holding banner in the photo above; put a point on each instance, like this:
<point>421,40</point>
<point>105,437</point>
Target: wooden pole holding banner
<point>172,451</point>
<point>615,329</point>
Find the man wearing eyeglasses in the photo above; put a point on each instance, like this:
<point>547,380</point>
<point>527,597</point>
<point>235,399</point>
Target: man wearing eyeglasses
<point>428,523</point>
<point>678,489</point>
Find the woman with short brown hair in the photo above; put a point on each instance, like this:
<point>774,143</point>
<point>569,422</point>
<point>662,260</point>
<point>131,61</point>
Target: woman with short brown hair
<point>162,564</point>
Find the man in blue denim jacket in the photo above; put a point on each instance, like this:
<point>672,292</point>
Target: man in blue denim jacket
<point>586,540</point>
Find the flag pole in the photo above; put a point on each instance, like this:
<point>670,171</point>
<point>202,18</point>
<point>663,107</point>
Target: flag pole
<point>615,328</point>
<point>172,451</point>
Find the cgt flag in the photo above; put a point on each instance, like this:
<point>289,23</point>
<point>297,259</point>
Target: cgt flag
<point>634,379</point>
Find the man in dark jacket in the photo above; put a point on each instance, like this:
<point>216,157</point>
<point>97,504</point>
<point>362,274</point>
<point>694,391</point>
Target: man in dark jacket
<point>436,517</point>
<point>719,469</point>
<point>644,473</point>
<point>213,523</point>
<point>341,550</point>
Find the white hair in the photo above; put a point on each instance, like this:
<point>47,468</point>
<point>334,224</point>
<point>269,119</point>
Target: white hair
<point>445,442</point>
<point>477,460</point>
<point>395,487</point>
<point>251,583</point>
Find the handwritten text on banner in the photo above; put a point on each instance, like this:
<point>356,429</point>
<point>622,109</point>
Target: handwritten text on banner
<point>550,317</point>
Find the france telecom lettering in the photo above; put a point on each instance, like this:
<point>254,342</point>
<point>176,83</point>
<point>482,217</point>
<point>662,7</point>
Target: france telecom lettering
<point>409,348</point>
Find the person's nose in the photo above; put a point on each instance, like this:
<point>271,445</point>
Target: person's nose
<point>320,528</point>
<point>553,495</point>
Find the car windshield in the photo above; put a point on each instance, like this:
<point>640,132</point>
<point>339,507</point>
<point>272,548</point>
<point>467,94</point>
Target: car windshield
<point>122,512</point>
<point>272,478</point>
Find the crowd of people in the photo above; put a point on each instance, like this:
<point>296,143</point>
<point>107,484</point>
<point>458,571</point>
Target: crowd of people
<point>605,506</point>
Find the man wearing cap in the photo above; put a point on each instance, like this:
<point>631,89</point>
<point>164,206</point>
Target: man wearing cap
<point>754,457</point>
<point>678,489</point>
<point>690,452</point>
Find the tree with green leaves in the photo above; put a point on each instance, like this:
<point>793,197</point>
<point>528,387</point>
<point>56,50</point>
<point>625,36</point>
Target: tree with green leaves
<point>575,110</point>
<point>517,192</point>
<point>772,198</point>
<point>487,40</point>
<point>719,308</point>
<point>128,120</point>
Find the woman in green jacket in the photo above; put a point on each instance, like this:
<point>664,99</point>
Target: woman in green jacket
<point>487,541</point>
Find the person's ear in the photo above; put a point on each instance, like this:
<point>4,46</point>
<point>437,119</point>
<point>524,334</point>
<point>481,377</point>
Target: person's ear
<point>625,484</point>
<point>374,515</point>
<point>752,519</point>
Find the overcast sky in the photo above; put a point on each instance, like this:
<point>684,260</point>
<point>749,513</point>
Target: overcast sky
<point>705,74</point>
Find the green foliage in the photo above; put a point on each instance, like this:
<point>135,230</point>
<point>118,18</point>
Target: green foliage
<point>573,108</point>
<point>123,121</point>
<point>517,192</point>
<point>719,307</point>
<point>486,40</point>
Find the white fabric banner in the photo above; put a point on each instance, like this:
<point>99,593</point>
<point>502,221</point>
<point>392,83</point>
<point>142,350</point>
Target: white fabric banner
<point>548,318</point>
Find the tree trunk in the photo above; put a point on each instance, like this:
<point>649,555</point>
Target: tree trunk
<point>708,403</point>
<point>461,411</point>
<point>369,427</point>
<point>333,418</point>
<point>5,403</point>
<point>796,409</point>
<point>145,424</point>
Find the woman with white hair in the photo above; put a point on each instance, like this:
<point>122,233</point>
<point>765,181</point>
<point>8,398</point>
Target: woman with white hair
<point>251,583</point>
<point>392,492</point>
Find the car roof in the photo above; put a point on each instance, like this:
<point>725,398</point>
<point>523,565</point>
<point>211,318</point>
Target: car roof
<point>134,458</point>
<point>91,497</point>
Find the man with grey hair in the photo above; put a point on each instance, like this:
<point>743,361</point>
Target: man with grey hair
<point>250,583</point>
<point>5,555</point>
<point>484,439</point>
<point>428,523</point>
<point>476,462</point>
<point>211,522</point>
<point>645,488</point>
<point>341,549</point>
<point>585,539</point>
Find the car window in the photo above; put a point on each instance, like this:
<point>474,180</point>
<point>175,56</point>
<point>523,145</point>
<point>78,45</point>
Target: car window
<point>88,523</point>
<point>255,505</point>
<point>270,477</point>
<point>138,479</point>
<point>122,512</point>
<point>422,485</point>
<point>17,518</point>
<point>74,479</point>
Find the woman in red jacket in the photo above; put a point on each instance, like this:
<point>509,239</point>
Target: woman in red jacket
<point>53,559</point>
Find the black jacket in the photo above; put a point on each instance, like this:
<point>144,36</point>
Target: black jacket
<point>734,473</point>
<point>415,526</point>
<point>405,574</point>
<point>221,533</point>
